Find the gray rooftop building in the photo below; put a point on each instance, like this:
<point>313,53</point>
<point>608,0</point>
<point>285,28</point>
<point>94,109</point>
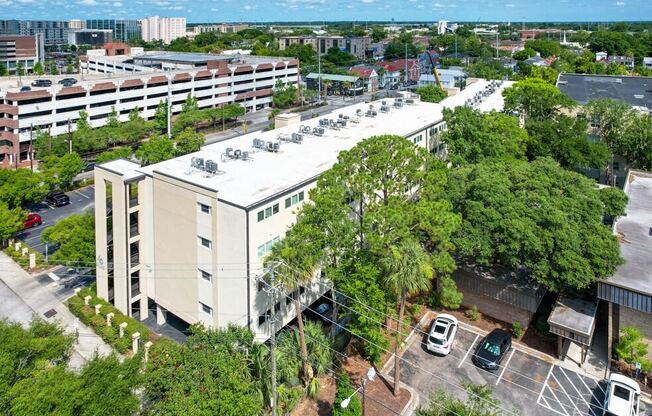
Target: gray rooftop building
<point>637,91</point>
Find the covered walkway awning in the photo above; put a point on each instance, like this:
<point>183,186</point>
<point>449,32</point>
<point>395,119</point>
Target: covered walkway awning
<point>574,319</point>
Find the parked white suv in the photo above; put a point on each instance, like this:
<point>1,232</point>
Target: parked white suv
<point>623,395</point>
<point>442,334</point>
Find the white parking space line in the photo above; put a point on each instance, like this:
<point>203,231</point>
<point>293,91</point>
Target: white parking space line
<point>505,366</point>
<point>85,196</point>
<point>557,398</point>
<point>545,383</point>
<point>568,396</point>
<point>578,392</point>
<point>597,384</point>
<point>468,351</point>
<point>547,406</point>
<point>54,276</point>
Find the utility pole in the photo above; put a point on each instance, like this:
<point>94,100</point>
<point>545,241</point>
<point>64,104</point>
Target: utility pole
<point>271,289</point>
<point>406,65</point>
<point>319,70</point>
<point>69,135</point>
<point>31,151</point>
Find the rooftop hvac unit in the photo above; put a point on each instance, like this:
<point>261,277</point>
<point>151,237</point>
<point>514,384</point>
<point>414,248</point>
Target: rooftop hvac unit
<point>324,122</point>
<point>354,120</point>
<point>383,102</point>
<point>333,125</point>
<point>409,101</point>
<point>359,112</point>
<point>197,163</point>
<point>245,156</point>
<point>399,100</point>
<point>343,117</point>
<point>384,109</point>
<point>273,147</point>
<point>259,144</point>
<point>305,129</point>
<point>342,122</point>
<point>229,152</point>
<point>318,131</point>
<point>371,113</point>
<point>237,154</point>
<point>398,104</point>
<point>211,167</point>
<point>297,138</point>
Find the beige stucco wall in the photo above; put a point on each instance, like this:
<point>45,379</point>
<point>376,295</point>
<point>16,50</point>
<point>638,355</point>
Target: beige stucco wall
<point>640,320</point>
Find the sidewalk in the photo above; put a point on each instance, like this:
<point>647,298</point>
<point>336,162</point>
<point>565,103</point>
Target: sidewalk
<point>42,301</point>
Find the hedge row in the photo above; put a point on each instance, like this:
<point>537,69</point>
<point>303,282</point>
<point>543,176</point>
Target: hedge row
<point>23,261</point>
<point>110,334</point>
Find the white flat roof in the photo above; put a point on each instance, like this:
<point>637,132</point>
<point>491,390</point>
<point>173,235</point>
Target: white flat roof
<point>125,168</point>
<point>247,183</point>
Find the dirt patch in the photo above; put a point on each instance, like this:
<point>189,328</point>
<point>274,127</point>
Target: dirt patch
<point>323,404</point>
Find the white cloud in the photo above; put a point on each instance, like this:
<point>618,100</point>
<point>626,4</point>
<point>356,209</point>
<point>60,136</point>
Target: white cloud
<point>619,3</point>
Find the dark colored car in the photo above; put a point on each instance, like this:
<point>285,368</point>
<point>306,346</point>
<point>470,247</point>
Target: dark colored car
<point>57,199</point>
<point>42,83</point>
<point>492,349</point>
<point>25,89</point>
<point>67,82</point>
<point>89,167</point>
<point>32,220</point>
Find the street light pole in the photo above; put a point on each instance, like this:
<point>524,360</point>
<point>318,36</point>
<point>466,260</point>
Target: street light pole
<point>371,374</point>
<point>69,135</point>
<point>31,151</point>
<point>319,70</point>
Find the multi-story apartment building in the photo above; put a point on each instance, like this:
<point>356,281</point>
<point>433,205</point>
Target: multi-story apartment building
<point>221,28</point>
<point>53,32</point>
<point>221,79</point>
<point>124,30</point>
<point>355,45</point>
<point>166,29</point>
<point>190,235</point>
<point>17,51</point>
<point>77,24</point>
<point>92,37</point>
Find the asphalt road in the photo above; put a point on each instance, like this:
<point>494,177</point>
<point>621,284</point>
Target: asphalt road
<point>64,280</point>
<point>81,200</point>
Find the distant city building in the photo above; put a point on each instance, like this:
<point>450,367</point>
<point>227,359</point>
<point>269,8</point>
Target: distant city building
<point>77,24</point>
<point>453,77</point>
<point>166,29</point>
<point>368,75</point>
<point>442,27</point>
<point>355,45</point>
<point>52,32</point>
<point>16,50</point>
<point>533,33</point>
<point>221,28</point>
<point>647,62</point>
<point>92,37</point>
<point>123,30</point>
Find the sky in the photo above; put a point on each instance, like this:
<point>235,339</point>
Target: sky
<point>332,10</point>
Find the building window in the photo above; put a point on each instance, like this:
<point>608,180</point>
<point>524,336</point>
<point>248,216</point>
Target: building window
<point>294,199</point>
<point>263,318</point>
<point>205,242</point>
<point>206,209</point>
<point>205,275</point>
<point>133,194</point>
<point>265,248</point>
<point>267,212</point>
<point>206,309</point>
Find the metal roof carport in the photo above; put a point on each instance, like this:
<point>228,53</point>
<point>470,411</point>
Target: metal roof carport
<point>573,319</point>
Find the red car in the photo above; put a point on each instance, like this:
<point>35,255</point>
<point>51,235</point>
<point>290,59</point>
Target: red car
<point>32,220</point>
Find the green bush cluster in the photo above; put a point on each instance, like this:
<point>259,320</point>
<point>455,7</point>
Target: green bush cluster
<point>473,313</point>
<point>23,261</point>
<point>110,334</point>
<point>517,329</point>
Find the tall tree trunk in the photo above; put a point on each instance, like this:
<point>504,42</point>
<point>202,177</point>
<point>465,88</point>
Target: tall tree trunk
<point>307,369</point>
<point>399,338</point>
<point>336,309</point>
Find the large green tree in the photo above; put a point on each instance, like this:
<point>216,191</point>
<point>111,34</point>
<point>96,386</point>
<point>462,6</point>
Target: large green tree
<point>472,136</point>
<point>11,221</point>
<point>21,186</point>
<point>537,216</point>
<point>431,93</point>
<point>188,141</point>
<point>535,98</point>
<point>61,171</point>
<point>479,402</point>
<point>285,95</point>
<point>156,149</point>
<point>75,237</point>
<point>408,271</point>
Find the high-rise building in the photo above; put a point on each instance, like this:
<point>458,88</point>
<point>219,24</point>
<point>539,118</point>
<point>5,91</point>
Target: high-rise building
<point>355,45</point>
<point>166,29</point>
<point>9,27</point>
<point>93,37</point>
<point>123,30</point>
<point>77,24</point>
<point>16,50</point>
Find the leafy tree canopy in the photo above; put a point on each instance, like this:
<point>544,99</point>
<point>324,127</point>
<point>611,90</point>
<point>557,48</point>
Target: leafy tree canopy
<point>431,93</point>
<point>21,186</point>
<point>472,136</point>
<point>156,149</point>
<point>479,403</point>
<point>537,216</point>
<point>534,98</point>
<point>60,171</point>
<point>75,237</point>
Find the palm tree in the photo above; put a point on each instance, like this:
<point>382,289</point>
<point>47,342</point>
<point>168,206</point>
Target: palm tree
<point>295,264</point>
<point>408,270</point>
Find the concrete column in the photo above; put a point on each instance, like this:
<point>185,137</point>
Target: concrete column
<point>610,333</point>
<point>560,347</point>
<point>17,246</point>
<point>135,337</point>
<point>97,309</point>
<point>32,261</point>
<point>109,316</point>
<point>87,299</point>
<point>161,315</point>
<point>24,251</point>
<point>121,329</point>
<point>148,345</point>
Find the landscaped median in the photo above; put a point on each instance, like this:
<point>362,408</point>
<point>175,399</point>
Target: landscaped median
<point>107,321</point>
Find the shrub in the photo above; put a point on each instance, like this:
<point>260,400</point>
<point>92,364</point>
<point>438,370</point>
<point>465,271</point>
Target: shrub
<point>517,329</point>
<point>632,347</point>
<point>449,297</point>
<point>473,313</point>
<point>110,335</point>
<point>344,390</point>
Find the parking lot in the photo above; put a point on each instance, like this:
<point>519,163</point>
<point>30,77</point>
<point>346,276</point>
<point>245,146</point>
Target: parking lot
<point>525,384</point>
<point>63,281</point>
<point>81,200</point>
